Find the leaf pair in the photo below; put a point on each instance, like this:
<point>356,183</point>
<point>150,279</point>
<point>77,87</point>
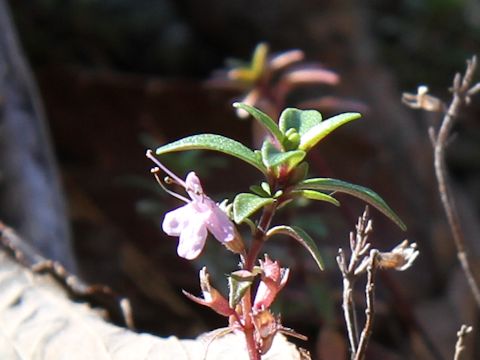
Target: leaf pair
<point>298,129</point>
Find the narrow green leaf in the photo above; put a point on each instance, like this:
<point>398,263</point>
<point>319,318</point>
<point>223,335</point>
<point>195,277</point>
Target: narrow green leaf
<point>259,59</point>
<point>318,132</point>
<point>316,195</point>
<point>302,237</point>
<point>238,284</point>
<point>361,192</point>
<point>273,157</point>
<point>215,143</point>
<point>260,191</point>
<point>263,119</point>
<point>245,204</point>
<point>300,120</point>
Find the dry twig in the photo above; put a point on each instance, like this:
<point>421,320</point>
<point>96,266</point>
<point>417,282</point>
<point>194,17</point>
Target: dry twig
<point>370,309</point>
<point>462,91</point>
<point>460,345</point>
<point>359,248</point>
<point>362,260</point>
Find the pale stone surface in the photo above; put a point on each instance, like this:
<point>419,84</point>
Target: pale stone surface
<point>37,321</point>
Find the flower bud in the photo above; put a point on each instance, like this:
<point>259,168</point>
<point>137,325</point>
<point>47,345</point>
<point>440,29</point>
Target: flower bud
<point>292,139</point>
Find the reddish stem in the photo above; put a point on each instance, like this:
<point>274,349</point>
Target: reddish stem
<point>257,244</point>
<point>259,236</point>
<point>248,328</point>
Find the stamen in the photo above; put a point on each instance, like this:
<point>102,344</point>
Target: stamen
<point>155,172</point>
<point>152,157</point>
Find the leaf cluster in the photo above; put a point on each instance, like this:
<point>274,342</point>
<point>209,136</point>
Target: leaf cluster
<point>282,161</point>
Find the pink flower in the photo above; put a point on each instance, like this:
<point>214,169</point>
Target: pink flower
<point>273,280</point>
<point>193,221</point>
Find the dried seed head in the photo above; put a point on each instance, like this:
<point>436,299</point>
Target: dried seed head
<point>211,297</point>
<point>399,258</point>
<point>421,100</point>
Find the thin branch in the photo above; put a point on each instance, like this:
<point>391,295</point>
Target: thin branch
<point>348,304</point>
<point>462,90</point>
<point>359,248</point>
<point>370,310</point>
<point>460,345</point>
<point>362,260</point>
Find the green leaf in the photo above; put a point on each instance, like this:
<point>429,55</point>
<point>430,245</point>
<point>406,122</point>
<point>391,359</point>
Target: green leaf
<point>263,119</point>
<point>238,284</point>
<point>318,132</point>
<point>300,120</point>
<point>273,157</point>
<point>260,191</point>
<point>302,237</point>
<point>245,204</point>
<point>299,173</point>
<point>259,59</point>
<point>363,193</point>
<point>316,195</point>
<point>252,71</point>
<point>215,143</point>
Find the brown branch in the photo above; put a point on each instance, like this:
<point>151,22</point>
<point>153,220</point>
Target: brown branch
<point>370,310</point>
<point>462,91</point>
<point>359,248</point>
<point>460,345</point>
<point>348,304</point>
<point>399,258</point>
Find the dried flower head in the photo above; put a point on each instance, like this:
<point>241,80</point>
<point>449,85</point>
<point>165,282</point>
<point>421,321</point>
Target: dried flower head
<point>421,100</point>
<point>211,297</point>
<point>400,258</point>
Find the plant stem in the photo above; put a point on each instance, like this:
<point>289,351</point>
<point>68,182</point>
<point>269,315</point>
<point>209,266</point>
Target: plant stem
<point>370,310</point>
<point>257,244</point>
<point>349,313</point>
<point>248,328</point>
<point>259,236</point>
<point>461,94</point>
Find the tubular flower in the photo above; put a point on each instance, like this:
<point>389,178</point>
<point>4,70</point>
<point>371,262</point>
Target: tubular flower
<point>194,220</point>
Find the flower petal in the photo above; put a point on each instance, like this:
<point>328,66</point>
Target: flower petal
<point>176,220</point>
<point>192,238</point>
<point>194,187</point>
<point>219,224</point>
